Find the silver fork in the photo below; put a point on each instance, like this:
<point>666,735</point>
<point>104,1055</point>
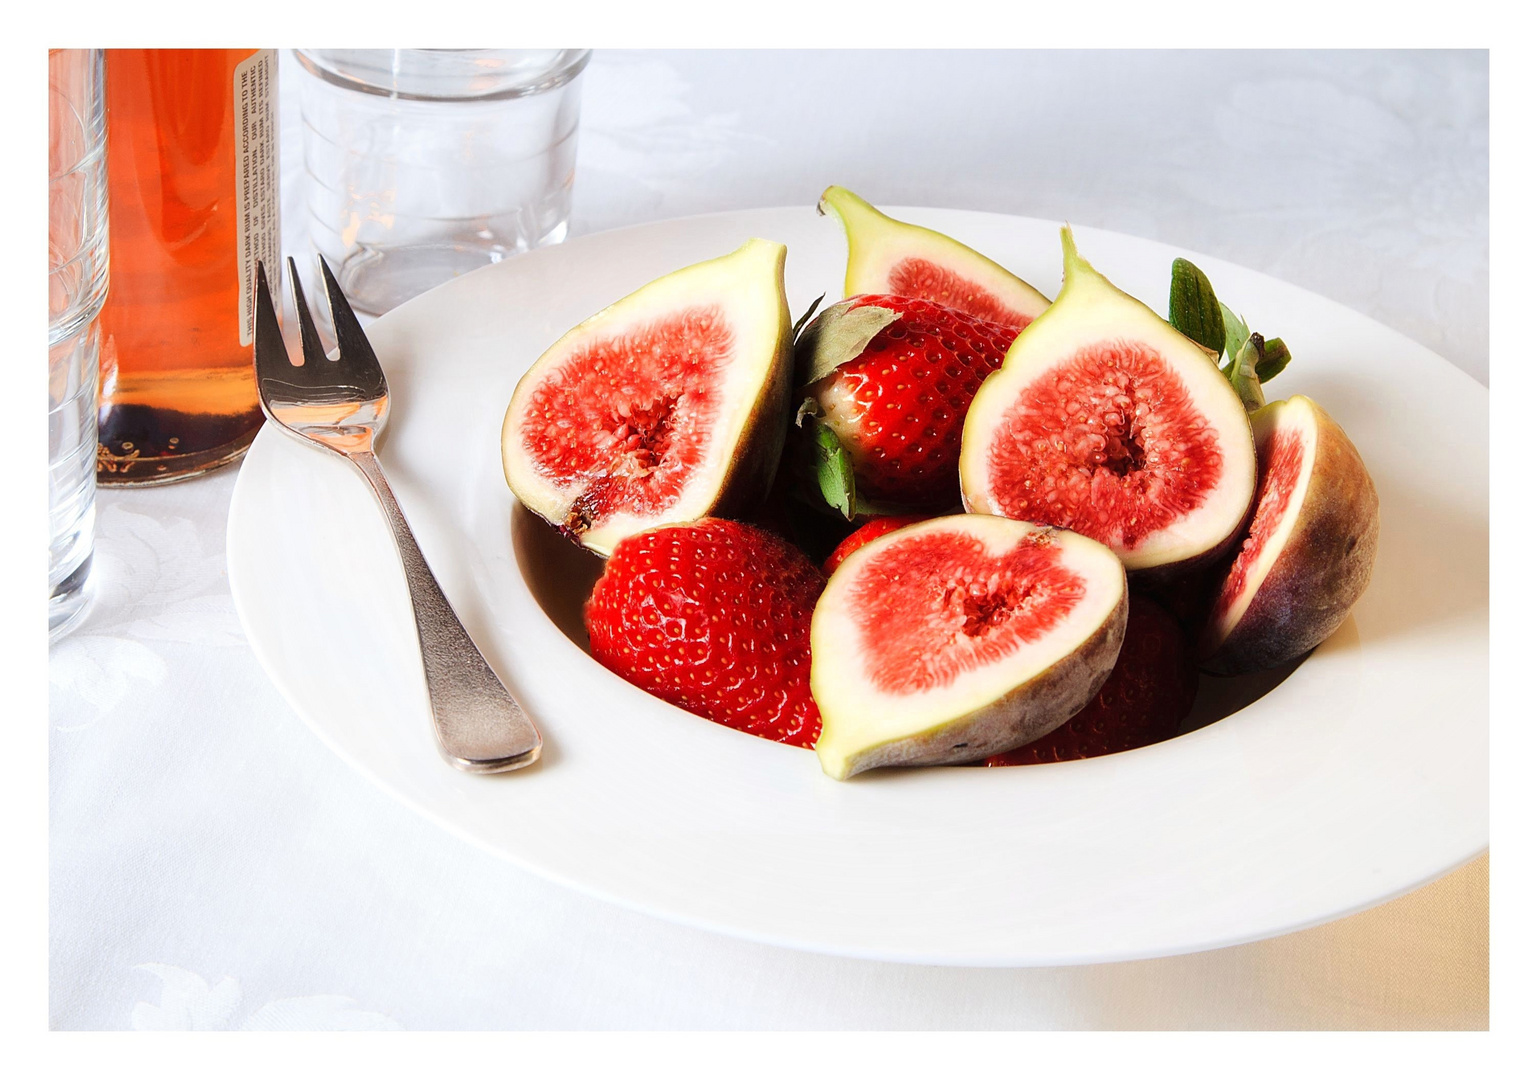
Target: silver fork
<point>341,405</point>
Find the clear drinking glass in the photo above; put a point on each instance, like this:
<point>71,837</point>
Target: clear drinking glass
<point>77,286</point>
<point>423,164</point>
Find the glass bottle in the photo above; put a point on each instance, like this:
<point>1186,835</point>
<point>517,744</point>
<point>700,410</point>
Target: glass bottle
<point>192,179</point>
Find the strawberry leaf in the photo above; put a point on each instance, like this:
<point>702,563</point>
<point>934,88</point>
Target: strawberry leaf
<point>795,331</point>
<point>836,337</point>
<point>1194,307</point>
<point>868,508</point>
<point>833,469</point>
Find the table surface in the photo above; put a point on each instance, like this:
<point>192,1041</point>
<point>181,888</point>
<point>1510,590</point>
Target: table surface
<point>214,866</point>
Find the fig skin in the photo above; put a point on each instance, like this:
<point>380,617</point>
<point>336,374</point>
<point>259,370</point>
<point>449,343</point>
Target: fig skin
<point>877,242</point>
<point>951,724</point>
<point>1035,708</point>
<point>749,473</point>
<point>1322,570</point>
<point>1091,313</point>
<point>1169,579</point>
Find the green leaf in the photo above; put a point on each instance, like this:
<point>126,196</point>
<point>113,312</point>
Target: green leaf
<point>1235,332</point>
<point>836,337</point>
<point>1274,357</point>
<point>1242,375</point>
<point>795,331</point>
<point>834,470</point>
<point>1194,307</point>
<point>869,508</point>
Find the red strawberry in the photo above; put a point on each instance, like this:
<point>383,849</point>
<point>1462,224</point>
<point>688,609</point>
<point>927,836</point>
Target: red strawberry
<point>865,534</point>
<point>893,377</point>
<point>1149,692</point>
<point>714,617</point>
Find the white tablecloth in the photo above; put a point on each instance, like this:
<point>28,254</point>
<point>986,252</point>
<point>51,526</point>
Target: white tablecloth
<point>213,865</point>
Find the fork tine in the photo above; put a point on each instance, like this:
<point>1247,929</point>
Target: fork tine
<point>309,337</point>
<point>352,344</point>
<point>271,355</point>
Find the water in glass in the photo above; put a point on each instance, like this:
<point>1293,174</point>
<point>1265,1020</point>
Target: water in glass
<point>423,164</point>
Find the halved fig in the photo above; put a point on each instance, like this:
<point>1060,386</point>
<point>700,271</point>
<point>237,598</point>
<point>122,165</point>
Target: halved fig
<point>1309,551</point>
<point>664,407</point>
<point>890,256</point>
<point>958,638</point>
<point>1105,420</point>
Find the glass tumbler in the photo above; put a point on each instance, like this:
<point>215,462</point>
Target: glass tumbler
<point>77,287</point>
<point>424,164</point>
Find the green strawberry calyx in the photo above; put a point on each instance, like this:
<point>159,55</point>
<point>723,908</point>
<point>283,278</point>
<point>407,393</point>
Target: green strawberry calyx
<point>836,337</point>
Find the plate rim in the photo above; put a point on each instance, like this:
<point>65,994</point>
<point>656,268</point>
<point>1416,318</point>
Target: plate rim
<point>270,666</point>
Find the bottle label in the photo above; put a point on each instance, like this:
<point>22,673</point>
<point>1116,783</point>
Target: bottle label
<point>256,178</point>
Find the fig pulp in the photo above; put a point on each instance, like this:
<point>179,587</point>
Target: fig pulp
<point>1309,550</point>
<point>666,406</point>
<point>890,256</point>
<point>958,638</point>
<point>1105,420</point>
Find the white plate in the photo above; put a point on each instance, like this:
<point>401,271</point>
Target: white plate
<point>1361,776</point>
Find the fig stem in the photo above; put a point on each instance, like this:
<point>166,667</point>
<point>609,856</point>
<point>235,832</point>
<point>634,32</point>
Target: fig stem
<point>1242,373</point>
<point>1274,358</point>
<point>1074,264</point>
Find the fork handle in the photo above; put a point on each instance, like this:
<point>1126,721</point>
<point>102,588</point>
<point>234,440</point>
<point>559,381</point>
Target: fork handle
<point>480,727</point>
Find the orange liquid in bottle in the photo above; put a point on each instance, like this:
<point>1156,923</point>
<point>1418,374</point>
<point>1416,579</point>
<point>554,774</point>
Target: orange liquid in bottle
<point>178,394</point>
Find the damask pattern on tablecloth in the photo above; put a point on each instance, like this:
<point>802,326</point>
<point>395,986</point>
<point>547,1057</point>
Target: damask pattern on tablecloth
<point>211,862</point>
<point>189,1003</point>
<point>155,581</point>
